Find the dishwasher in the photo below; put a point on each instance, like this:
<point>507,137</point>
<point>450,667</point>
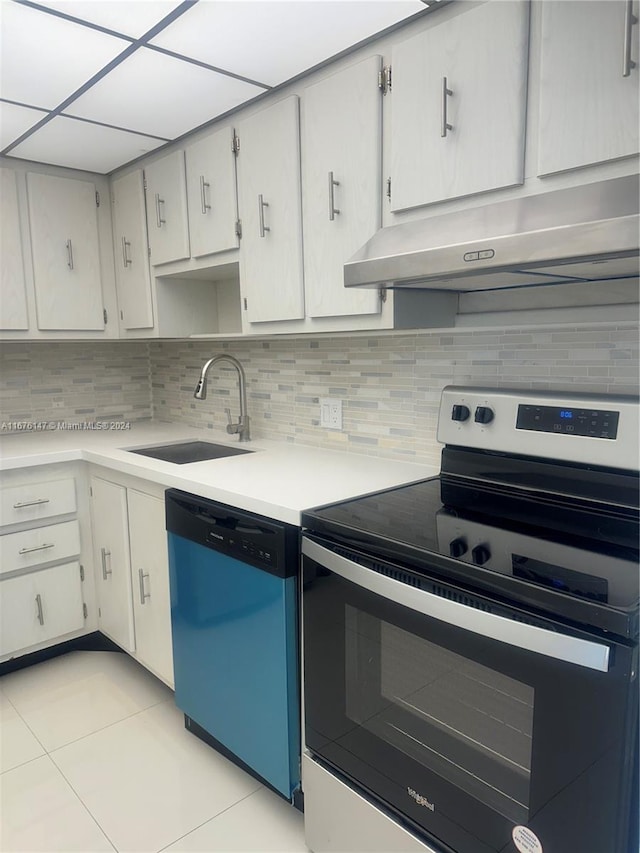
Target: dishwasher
<point>234,617</point>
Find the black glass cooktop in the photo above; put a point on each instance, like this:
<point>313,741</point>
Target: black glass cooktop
<point>583,577</point>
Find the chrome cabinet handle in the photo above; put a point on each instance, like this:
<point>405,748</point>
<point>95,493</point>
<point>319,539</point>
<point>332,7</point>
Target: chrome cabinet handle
<point>500,628</point>
<point>332,205</point>
<point>143,594</point>
<point>126,260</point>
<point>104,553</point>
<point>203,196</point>
<point>36,502</point>
<point>39,609</point>
<point>37,548</point>
<point>261,206</point>
<point>159,220</point>
<point>69,246</point>
<point>444,125</point>
<point>629,20</point>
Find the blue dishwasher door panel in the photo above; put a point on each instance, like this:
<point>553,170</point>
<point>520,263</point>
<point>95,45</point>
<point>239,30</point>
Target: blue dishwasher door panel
<point>235,657</point>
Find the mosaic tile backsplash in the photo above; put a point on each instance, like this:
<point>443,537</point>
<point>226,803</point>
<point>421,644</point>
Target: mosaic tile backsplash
<point>74,381</point>
<point>389,384</point>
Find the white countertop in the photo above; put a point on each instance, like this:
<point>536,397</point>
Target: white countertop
<point>278,479</point>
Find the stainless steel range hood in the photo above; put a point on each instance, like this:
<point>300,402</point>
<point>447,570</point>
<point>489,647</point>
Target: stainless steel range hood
<point>586,233</point>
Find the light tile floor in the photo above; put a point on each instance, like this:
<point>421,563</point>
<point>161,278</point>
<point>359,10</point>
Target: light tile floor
<point>94,756</point>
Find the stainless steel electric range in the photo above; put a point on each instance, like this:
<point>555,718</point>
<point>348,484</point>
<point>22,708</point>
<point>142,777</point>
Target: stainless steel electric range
<point>471,641</point>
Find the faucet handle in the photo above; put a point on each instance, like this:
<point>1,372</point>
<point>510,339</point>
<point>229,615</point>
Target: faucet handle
<point>232,428</point>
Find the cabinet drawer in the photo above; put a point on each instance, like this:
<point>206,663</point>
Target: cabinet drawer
<point>42,545</point>
<point>37,500</point>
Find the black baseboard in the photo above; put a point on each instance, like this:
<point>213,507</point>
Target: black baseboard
<point>203,734</point>
<point>94,642</point>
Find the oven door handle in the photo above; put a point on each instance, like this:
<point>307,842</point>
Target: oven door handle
<point>529,637</point>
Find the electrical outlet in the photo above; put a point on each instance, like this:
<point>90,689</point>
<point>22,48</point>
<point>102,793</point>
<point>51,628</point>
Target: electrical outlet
<point>330,413</point>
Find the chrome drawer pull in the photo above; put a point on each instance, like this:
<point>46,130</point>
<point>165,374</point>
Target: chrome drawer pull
<point>203,197</point>
<point>629,20</point>
<point>332,204</point>
<point>126,260</point>
<point>444,124</point>
<point>37,548</point>
<point>36,502</point>
<point>104,553</point>
<point>39,608</point>
<point>262,228</point>
<point>143,594</point>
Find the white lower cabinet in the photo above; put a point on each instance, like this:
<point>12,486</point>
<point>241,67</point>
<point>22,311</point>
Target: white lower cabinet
<point>132,573</point>
<point>45,597</point>
<point>150,577</point>
<point>40,606</point>
<point>111,560</point>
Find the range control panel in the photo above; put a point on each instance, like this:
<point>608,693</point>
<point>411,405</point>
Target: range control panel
<point>587,429</point>
<point>568,420</point>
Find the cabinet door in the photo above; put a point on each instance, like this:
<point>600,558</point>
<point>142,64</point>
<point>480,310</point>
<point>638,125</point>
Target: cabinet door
<point>270,211</point>
<point>212,194</point>
<point>150,580</point>
<point>458,106</point>
<point>341,185</point>
<point>13,299</point>
<point>66,253</point>
<point>589,90</point>
<point>133,282</point>
<point>167,209</point>
<point>111,555</point>
<point>40,606</point>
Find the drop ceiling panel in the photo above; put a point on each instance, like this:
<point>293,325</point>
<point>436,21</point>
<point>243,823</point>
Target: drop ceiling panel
<point>82,145</point>
<point>123,16</point>
<point>270,42</point>
<point>157,94</point>
<point>14,120</point>
<point>43,59</point>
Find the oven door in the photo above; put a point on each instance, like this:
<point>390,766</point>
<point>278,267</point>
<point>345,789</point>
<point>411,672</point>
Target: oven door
<point>485,729</point>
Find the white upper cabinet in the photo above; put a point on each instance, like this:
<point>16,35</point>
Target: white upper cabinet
<point>13,299</point>
<point>212,194</point>
<point>167,209</point>
<point>66,253</point>
<point>458,105</point>
<point>341,185</point>
<point>271,275</point>
<point>133,282</point>
<point>589,92</point>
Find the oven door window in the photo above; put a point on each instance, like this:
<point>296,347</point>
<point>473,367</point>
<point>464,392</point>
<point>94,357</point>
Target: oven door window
<point>460,734</point>
<point>460,719</point>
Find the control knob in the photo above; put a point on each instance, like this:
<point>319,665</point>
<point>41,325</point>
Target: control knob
<point>480,555</point>
<point>460,413</point>
<point>484,415</point>
<point>457,547</point>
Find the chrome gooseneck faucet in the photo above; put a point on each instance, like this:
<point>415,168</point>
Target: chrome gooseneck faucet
<point>240,428</point>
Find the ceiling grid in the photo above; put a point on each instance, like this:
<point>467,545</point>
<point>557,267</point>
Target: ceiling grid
<point>94,84</point>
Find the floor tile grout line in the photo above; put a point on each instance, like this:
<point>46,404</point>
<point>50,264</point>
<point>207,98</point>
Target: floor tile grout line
<point>82,802</point>
<point>108,726</point>
<point>46,751</point>
<point>214,817</point>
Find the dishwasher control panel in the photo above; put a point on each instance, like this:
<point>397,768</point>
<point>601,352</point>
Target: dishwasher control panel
<point>262,542</point>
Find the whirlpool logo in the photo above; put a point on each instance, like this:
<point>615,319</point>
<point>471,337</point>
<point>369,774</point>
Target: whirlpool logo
<point>420,800</point>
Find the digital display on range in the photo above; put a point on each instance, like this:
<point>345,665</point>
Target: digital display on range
<point>595,423</point>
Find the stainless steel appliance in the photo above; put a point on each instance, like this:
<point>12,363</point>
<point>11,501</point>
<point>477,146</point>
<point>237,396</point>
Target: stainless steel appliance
<point>584,233</point>
<point>471,641</point>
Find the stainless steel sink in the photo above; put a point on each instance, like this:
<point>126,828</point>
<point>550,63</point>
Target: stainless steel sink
<point>189,451</point>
